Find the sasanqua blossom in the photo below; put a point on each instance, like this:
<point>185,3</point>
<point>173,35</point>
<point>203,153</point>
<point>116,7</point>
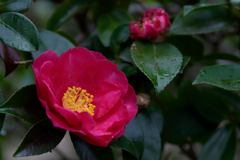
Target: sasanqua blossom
<point>154,22</point>
<point>84,93</point>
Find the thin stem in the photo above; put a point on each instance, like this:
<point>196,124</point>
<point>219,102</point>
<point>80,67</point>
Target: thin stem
<point>23,62</point>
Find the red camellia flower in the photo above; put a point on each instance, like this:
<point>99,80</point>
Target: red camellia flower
<point>154,21</point>
<point>84,93</point>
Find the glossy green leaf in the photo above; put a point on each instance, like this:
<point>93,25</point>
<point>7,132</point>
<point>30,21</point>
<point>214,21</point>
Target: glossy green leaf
<point>203,20</point>
<point>185,123</point>
<point>86,151</point>
<point>152,141</point>
<point>224,76</point>
<point>2,116</point>
<point>52,41</point>
<point>41,138</point>
<point>132,140</point>
<point>189,8</point>
<point>186,59</point>
<point>24,104</point>
<point>65,11</point>
<point>223,56</point>
<point>120,34</point>
<point>16,6</point>
<point>126,145</point>
<point>159,62</point>
<point>187,45</point>
<point>9,56</point>
<point>212,106</point>
<point>18,32</point>
<point>221,146</point>
<point>108,22</point>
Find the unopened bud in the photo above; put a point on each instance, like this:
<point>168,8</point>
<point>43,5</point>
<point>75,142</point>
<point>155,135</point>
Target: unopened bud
<point>153,26</point>
<point>143,100</point>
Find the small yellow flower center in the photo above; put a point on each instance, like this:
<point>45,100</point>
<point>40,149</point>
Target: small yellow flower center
<point>79,100</point>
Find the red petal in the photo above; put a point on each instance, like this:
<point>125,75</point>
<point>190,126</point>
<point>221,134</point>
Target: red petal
<point>76,67</point>
<point>114,120</point>
<point>98,55</point>
<point>120,133</point>
<point>59,121</point>
<point>93,139</point>
<point>46,56</point>
<point>106,95</point>
<point>129,100</point>
<point>79,121</point>
<point>107,71</point>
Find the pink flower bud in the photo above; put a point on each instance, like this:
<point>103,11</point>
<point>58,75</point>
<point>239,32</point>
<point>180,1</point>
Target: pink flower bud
<point>153,23</point>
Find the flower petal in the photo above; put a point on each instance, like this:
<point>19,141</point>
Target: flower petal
<point>76,67</point>
<point>46,56</point>
<point>106,95</point>
<point>98,55</point>
<point>114,120</point>
<point>107,71</point>
<point>129,100</point>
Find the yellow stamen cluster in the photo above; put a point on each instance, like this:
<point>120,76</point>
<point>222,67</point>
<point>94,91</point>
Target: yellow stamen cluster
<point>79,100</point>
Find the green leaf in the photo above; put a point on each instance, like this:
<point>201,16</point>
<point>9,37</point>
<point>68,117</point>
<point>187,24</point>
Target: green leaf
<point>86,151</point>
<point>152,141</point>
<point>18,32</point>
<point>9,56</point>
<point>221,146</point>
<point>185,123</point>
<point>186,59</point>
<point>224,76</point>
<point>159,62</point>
<point>126,145</point>
<point>132,140</point>
<point>65,11</point>
<point>212,106</point>
<point>24,104</point>
<point>52,41</point>
<point>223,56</point>
<point>2,116</point>
<point>203,20</point>
<point>16,6</point>
<point>187,45</point>
<point>189,8</point>
<point>108,22</point>
<point>41,138</point>
<point>120,34</point>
